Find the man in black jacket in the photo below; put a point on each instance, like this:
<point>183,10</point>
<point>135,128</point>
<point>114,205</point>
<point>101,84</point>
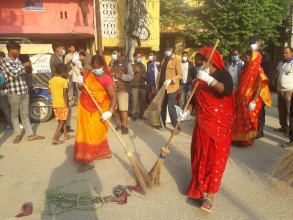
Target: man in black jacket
<point>189,72</point>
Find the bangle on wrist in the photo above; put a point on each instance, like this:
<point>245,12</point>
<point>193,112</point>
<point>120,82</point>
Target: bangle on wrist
<point>213,83</point>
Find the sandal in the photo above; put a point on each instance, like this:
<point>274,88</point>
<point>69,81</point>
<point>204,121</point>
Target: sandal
<point>69,137</point>
<point>57,142</point>
<point>207,205</point>
<point>86,166</point>
<point>35,137</point>
<point>17,139</point>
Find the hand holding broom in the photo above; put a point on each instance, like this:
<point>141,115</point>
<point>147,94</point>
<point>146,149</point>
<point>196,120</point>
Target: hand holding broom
<point>155,172</point>
<point>140,173</point>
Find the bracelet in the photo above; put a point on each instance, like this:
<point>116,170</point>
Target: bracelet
<point>213,83</point>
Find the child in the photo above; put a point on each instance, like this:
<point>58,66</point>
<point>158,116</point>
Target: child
<point>58,88</point>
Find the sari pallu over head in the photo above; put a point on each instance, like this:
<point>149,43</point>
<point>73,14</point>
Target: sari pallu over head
<point>251,76</point>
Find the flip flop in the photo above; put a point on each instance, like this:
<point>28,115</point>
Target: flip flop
<point>35,137</point>
<point>69,137</point>
<point>17,139</point>
<point>57,142</point>
<point>206,208</point>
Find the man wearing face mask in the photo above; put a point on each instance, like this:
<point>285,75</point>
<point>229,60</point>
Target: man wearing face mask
<point>255,42</point>
<point>189,72</point>
<point>171,74</point>
<point>138,89</point>
<point>153,69</point>
<point>122,73</point>
<point>234,67</point>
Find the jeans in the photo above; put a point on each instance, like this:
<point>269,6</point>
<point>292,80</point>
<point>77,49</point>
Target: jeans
<point>19,106</point>
<point>185,91</point>
<point>4,106</point>
<point>138,101</point>
<point>170,100</point>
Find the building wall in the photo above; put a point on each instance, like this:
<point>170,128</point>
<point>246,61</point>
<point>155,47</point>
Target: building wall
<point>58,17</point>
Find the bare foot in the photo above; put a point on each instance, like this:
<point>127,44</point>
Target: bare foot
<point>68,137</point>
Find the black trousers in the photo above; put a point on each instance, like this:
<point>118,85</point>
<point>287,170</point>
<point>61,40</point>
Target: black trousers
<point>291,120</point>
<point>170,100</point>
<point>262,117</point>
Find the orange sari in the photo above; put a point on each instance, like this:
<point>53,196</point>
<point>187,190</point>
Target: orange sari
<point>246,122</point>
<point>91,135</point>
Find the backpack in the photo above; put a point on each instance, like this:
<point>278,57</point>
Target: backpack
<point>2,82</point>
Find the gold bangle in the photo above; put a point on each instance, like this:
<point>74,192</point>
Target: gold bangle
<point>213,83</point>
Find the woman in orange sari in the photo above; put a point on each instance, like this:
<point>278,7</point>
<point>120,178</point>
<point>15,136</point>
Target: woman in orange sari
<point>250,95</point>
<point>91,135</point>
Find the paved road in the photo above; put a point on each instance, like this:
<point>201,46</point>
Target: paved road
<point>248,190</point>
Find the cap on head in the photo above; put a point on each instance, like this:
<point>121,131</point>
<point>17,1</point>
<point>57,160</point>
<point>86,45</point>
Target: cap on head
<point>253,39</point>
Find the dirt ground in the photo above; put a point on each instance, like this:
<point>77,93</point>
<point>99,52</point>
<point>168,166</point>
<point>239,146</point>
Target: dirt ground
<point>248,191</point>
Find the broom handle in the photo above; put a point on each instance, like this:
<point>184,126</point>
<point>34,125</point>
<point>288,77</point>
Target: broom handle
<point>191,95</point>
<point>101,112</point>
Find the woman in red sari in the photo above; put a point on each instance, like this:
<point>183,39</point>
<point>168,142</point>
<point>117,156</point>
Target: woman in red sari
<point>91,135</point>
<point>251,94</point>
<point>210,147</point>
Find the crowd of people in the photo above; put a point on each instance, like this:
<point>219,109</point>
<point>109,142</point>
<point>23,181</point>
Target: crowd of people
<point>229,102</point>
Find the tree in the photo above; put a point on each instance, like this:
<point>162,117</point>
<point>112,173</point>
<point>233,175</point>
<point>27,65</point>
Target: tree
<point>231,21</point>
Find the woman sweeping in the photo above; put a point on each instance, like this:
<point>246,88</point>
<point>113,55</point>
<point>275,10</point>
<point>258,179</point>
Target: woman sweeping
<point>250,95</point>
<point>210,147</point>
<point>91,135</point>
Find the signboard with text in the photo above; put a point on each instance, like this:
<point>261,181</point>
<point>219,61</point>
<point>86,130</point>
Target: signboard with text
<point>34,4</point>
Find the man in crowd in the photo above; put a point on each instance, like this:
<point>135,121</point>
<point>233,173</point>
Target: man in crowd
<point>55,60</point>
<point>255,42</point>
<point>71,75</point>
<point>234,67</point>
<point>188,74</point>
<point>285,89</point>
<point>4,103</point>
<point>171,74</point>
<point>138,89</point>
<point>17,91</point>
<point>122,73</point>
<point>153,69</point>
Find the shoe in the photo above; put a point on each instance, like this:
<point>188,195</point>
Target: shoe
<point>7,127</point>
<point>260,133</point>
<point>134,118</point>
<point>118,127</point>
<point>124,130</point>
<point>279,129</point>
<point>289,144</point>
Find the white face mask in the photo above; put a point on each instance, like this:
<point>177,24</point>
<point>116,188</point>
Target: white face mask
<point>63,52</point>
<point>114,56</point>
<point>184,59</point>
<point>254,46</point>
<point>151,58</point>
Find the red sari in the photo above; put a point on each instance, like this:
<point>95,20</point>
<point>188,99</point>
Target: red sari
<point>212,135</point>
<point>246,122</point>
<point>91,141</point>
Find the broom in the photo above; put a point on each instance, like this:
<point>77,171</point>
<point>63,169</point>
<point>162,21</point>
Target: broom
<point>155,172</point>
<point>152,113</point>
<point>283,169</point>
<point>139,171</point>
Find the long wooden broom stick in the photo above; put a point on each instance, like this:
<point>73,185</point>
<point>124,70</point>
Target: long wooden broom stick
<point>139,171</point>
<point>155,172</point>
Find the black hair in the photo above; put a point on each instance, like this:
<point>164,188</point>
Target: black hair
<point>290,48</point>
<point>71,44</point>
<point>56,45</point>
<point>235,49</point>
<point>2,54</point>
<point>82,53</point>
<point>185,52</point>
<point>200,57</point>
<point>248,53</point>
<point>136,53</point>
<point>61,68</point>
<point>154,52</point>
<point>115,49</point>
<point>12,45</point>
<point>24,58</point>
<point>98,59</point>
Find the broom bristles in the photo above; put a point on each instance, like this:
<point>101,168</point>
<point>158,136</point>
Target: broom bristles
<point>155,172</point>
<point>283,169</point>
<point>141,175</point>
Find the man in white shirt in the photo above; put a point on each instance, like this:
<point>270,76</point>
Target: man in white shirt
<point>285,89</point>
<point>188,70</point>
<point>234,67</point>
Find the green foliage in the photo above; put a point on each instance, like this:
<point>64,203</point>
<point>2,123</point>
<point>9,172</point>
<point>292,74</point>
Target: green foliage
<point>231,21</point>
